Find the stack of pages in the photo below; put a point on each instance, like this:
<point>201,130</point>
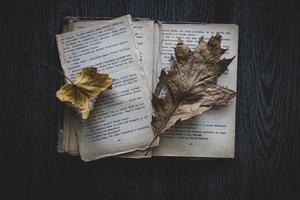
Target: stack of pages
<point>133,52</point>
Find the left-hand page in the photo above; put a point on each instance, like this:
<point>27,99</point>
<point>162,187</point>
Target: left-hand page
<point>121,120</point>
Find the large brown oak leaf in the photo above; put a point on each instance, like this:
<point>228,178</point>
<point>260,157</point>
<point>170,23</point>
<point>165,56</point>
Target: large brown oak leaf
<point>190,87</point>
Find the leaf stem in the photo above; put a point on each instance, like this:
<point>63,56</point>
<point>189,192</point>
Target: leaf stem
<point>148,148</point>
<point>50,66</point>
<point>157,92</point>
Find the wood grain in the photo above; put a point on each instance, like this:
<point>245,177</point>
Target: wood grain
<point>267,159</point>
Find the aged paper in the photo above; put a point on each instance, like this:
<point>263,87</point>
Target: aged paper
<point>144,35</point>
<point>143,31</point>
<point>213,133</point>
<point>121,120</point>
<point>67,137</point>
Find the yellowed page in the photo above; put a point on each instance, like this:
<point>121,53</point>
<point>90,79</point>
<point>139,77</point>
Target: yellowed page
<point>144,35</point>
<point>67,138</point>
<point>143,31</point>
<point>213,133</point>
<point>123,124</point>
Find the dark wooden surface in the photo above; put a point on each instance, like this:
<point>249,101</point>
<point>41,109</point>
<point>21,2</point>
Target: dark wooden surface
<point>267,159</point>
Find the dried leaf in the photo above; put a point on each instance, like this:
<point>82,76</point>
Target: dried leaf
<point>190,86</point>
<point>82,93</point>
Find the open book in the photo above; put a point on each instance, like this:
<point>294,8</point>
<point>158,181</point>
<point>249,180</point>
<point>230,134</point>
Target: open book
<point>144,48</point>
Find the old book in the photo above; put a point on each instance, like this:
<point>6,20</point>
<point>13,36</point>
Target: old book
<point>211,135</point>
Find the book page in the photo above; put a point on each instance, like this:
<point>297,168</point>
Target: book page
<point>156,49</point>
<point>211,134</point>
<point>144,32</point>
<point>67,137</point>
<point>121,121</point>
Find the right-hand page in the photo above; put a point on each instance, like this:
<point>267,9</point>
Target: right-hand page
<point>212,134</point>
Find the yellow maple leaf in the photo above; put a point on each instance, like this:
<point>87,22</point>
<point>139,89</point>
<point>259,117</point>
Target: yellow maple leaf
<point>82,93</point>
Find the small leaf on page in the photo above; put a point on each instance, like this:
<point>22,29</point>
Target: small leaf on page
<point>190,87</point>
<point>83,92</point>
